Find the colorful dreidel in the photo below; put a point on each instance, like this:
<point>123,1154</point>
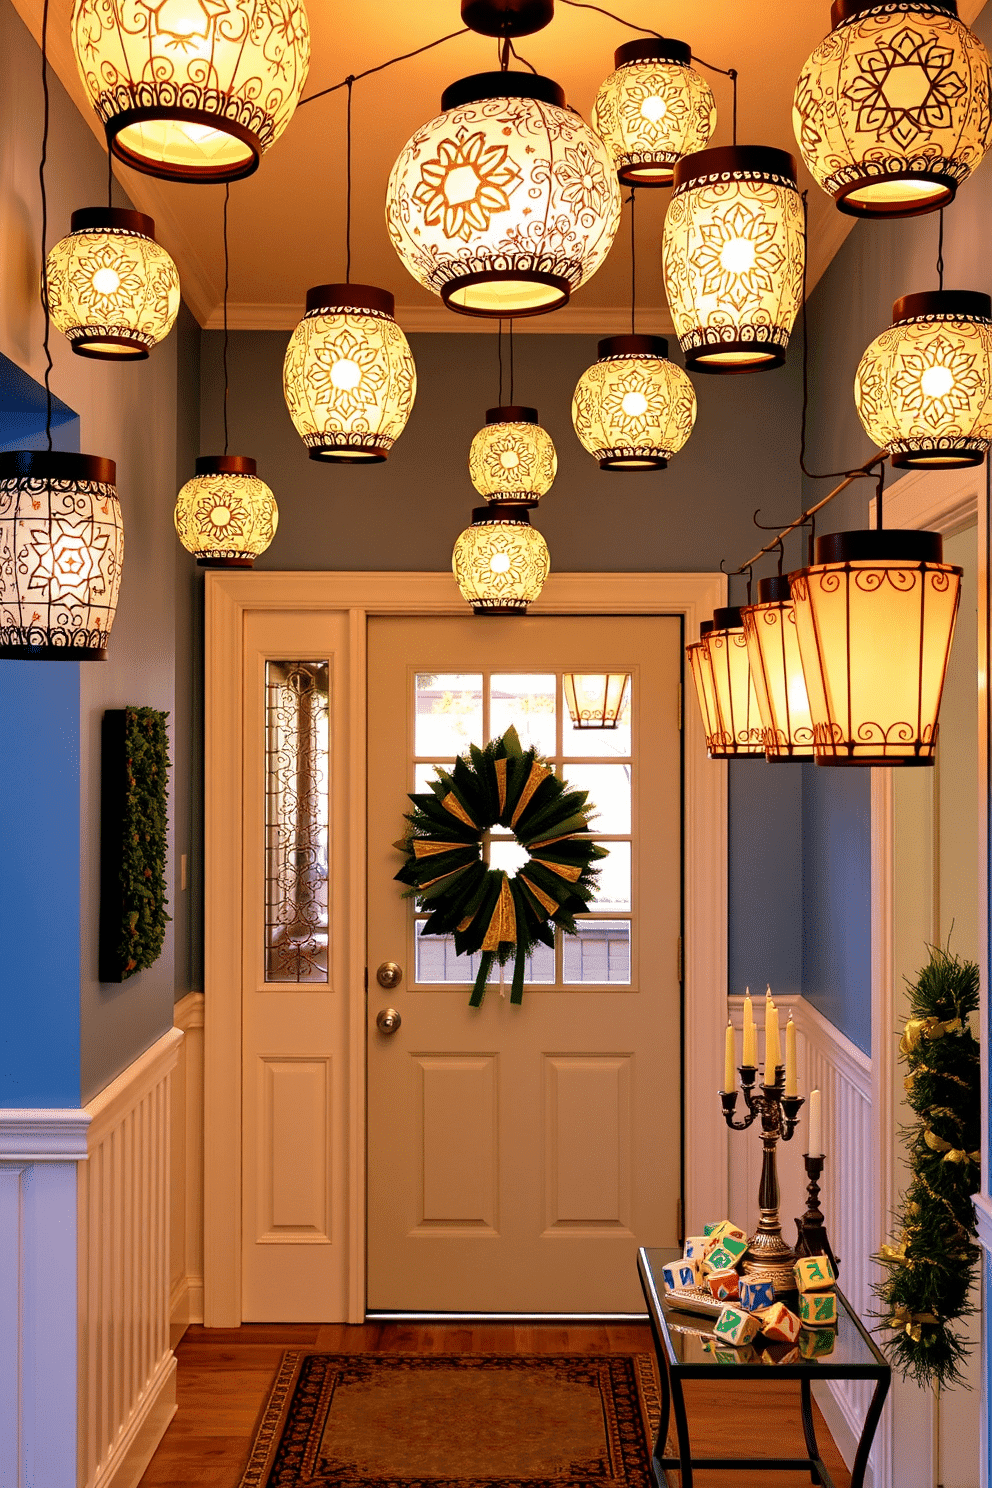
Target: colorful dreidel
<point>720,1259</point>
<point>756,1295</point>
<point>779,1324</point>
<point>695,1248</point>
<point>680,1274</point>
<point>814,1273</point>
<point>817,1345</point>
<point>736,1327</point>
<point>818,1309</point>
<point>724,1285</point>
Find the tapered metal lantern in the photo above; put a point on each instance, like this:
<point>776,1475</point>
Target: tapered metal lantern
<point>225,515</point>
<point>512,458</point>
<point>113,291</point>
<point>701,671</point>
<point>924,386</point>
<point>61,553</point>
<point>892,110</point>
<point>501,562</point>
<point>633,409</point>
<point>739,732</point>
<point>777,671</point>
<point>653,109</point>
<point>595,700</point>
<point>875,618</point>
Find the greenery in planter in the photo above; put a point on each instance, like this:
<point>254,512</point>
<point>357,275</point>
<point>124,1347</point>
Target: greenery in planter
<point>135,822</point>
<point>930,1269</point>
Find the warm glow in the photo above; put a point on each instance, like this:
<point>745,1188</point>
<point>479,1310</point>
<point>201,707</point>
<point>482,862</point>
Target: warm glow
<point>225,516</point>
<point>500,562</point>
<point>595,700</point>
<point>633,408</point>
<point>701,672</point>
<point>652,110</point>
<point>777,671</point>
<point>113,291</point>
<point>513,460</point>
<point>739,730</point>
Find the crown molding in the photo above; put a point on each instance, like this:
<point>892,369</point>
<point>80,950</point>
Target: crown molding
<point>572,320</point>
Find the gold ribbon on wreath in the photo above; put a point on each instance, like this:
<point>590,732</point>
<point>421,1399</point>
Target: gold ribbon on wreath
<point>910,1323</point>
<point>951,1153</point>
<point>918,1029</point>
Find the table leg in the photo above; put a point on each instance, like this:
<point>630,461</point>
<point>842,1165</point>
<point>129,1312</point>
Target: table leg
<point>661,1449</point>
<point>682,1432</point>
<point>809,1427</point>
<point>868,1433</point>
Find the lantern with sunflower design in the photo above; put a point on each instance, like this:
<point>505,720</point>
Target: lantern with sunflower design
<point>225,514</point>
<point>633,409</point>
<point>892,110</point>
<point>348,376</point>
<point>501,561</point>
<point>653,109</point>
<point>924,386</point>
<point>733,253</point>
<point>512,458</point>
<point>113,291</point>
<point>507,201</point>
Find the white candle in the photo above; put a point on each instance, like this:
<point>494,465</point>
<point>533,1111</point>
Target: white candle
<point>790,1057</point>
<point>729,1078</point>
<point>815,1148</point>
<point>750,1055</point>
<point>773,1043</point>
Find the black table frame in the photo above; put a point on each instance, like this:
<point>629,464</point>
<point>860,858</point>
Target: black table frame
<point>672,1372</point>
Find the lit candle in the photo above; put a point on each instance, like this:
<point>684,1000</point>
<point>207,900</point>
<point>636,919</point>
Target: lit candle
<point>815,1118</point>
<point>729,1080</point>
<point>790,1058</point>
<point>773,1043</point>
<point>750,1055</point>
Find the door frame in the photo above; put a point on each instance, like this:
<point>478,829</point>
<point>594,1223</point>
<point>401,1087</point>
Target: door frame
<point>228,596</point>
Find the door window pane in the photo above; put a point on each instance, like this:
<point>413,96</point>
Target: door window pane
<point>599,953</point>
<point>449,714</point>
<point>590,743</point>
<point>424,774</point>
<point>614,879</point>
<point>437,963</point>
<point>609,793</point>
<point>509,856</point>
<point>527,701</point>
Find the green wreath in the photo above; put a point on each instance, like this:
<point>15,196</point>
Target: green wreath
<point>484,908</point>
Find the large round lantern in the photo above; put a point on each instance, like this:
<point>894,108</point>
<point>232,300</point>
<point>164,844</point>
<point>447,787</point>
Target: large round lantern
<point>653,109</point>
<point>892,110</point>
<point>192,90</point>
<point>507,201</point>
<point>697,655</point>
<point>875,618</point>
<point>733,254</point>
<point>501,561</point>
<point>348,376</point>
<point>62,534</point>
<point>512,458</point>
<point>225,514</point>
<point>739,732</point>
<point>633,409</point>
<point>113,291</point>
<point>777,671</point>
<point>924,386</point>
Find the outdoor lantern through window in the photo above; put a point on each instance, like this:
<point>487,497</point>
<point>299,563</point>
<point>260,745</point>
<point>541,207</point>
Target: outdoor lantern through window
<point>653,109</point>
<point>507,201</point>
<point>924,386</point>
<point>192,90</point>
<point>701,672</point>
<point>512,458</point>
<point>595,700</point>
<point>892,110</point>
<point>739,732</point>
<point>225,514</point>
<point>733,252</point>
<point>633,409</point>
<point>875,618</point>
<point>777,671</point>
<point>62,534</point>
<point>348,376</point>
<point>501,561</point>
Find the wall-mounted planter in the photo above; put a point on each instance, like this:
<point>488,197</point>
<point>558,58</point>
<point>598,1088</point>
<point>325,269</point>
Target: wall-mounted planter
<point>133,827</point>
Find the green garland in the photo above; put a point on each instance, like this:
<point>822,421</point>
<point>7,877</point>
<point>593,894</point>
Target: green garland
<point>930,1270</point>
<point>484,908</point>
<point>135,828</point>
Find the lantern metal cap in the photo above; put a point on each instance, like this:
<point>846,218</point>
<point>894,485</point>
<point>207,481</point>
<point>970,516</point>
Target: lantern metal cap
<point>655,49</point>
<point>869,545</point>
<point>846,10</point>
<point>774,589</point>
<point>507,17</point>
<point>121,219</point>
<point>225,465</point>
<point>728,617</point>
<point>968,303</point>
<point>482,85</point>
<point>500,512</point>
<point>735,160</point>
<point>511,413</point>
<point>705,627</point>
<point>646,346</point>
<point>58,465</point>
<point>351,297</point>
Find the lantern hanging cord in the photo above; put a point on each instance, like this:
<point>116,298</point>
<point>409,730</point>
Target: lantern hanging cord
<point>110,177</point>
<point>523,59</point>
<point>807,516</point>
<point>405,57</point>
<point>44,226</point>
<point>633,264</point>
<point>347,211</point>
<point>227,281</point>
<point>499,354</point>
<point>510,339</point>
<point>940,251</point>
<point>631,25</point>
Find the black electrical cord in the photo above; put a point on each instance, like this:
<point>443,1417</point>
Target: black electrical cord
<point>44,225</point>
<point>631,25</point>
<point>633,264</point>
<point>347,211</point>
<point>940,252</point>
<point>227,281</point>
<point>523,59</point>
<point>346,82</point>
<point>499,353</point>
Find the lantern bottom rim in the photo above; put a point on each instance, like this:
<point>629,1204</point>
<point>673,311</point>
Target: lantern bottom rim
<point>244,163</point>
<point>53,653</point>
<point>225,563</point>
<point>507,294</point>
<point>109,348</point>
<point>879,195</point>
<point>935,459</point>
<point>875,762</point>
<point>646,173</point>
<point>739,754</point>
<point>513,607</point>
<point>731,358</point>
<point>335,454</point>
<point>633,462</point>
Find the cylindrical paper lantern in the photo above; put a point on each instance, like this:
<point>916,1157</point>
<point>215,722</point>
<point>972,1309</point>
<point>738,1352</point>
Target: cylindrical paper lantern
<point>777,671</point>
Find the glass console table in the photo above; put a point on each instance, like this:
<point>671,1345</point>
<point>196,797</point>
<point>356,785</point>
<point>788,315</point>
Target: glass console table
<point>687,1349</point>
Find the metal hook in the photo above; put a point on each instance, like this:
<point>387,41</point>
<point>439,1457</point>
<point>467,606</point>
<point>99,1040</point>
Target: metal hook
<point>722,562</point>
<point>750,579</point>
<point>764,526</point>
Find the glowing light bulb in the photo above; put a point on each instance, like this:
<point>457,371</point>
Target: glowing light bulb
<point>509,459</point>
<point>106,281</point>
<point>654,109</point>
<point>937,381</point>
<point>220,516</point>
<point>634,404</point>
<point>499,563</point>
<point>346,374</point>
<point>737,256</point>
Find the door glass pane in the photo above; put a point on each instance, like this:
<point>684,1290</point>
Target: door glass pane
<point>296,820</point>
<point>609,793</point>
<point>590,743</point>
<point>599,953</point>
<point>437,963</point>
<point>508,855</point>
<point>424,774</point>
<point>449,714</point>
<point>527,702</point>
<point>614,878</point>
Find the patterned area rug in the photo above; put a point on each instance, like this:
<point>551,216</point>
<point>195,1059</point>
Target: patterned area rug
<point>457,1421</point>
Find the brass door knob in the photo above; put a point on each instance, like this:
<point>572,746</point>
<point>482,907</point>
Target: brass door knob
<point>388,1020</point>
<point>389,974</point>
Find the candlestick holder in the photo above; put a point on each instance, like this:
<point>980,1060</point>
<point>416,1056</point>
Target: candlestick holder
<point>768,1257</point>
<point>812,1238</point>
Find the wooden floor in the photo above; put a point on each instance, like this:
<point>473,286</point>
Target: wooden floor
<point>225,1375</point>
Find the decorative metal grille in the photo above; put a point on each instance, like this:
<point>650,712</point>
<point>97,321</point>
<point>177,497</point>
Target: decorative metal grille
<point>297,760</point>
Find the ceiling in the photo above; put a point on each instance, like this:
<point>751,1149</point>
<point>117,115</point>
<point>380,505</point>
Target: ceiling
<point>287,220</point>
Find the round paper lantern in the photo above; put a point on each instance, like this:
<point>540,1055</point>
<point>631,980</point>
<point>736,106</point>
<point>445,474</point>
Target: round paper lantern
<point>701,671</point>
<point>892,109</point>
<point>501,561</point>
<point>924,387</point>
<point>512,458</point>
<point>507,201</point>
<point>652,110</point>
<point>739,733</point>
<point>777,671</point>
<point>733,254</point>
<point>349,376</point>
<point>192,90</point>
<point>875,618</point>
<point>113,291</point>
<point>61,552</point>
<point>633,409</point>
<point>225,514</point>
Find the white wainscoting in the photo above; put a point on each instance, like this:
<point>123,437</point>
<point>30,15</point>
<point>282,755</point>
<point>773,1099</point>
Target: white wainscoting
<point>186,1249</point>
<point>127,1390</point>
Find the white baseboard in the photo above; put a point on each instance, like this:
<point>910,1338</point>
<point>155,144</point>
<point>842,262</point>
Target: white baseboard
<point>125,1467</point>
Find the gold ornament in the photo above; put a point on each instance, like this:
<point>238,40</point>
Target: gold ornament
<point>633,409</point>
<point>113,291</point>
<point>652,110</point>
<point>225,514</point>
<point>512,458</point>
<point>501,562</point>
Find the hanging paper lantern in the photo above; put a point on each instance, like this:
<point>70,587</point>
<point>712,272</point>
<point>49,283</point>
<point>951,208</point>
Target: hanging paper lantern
<point>924,386</point>
<point>225,514</point>
<point>892,109</point>
<point>349,377</point>
<point>113,291</point>
<point>507,201</point>
<point>192,90</point>
<point>595,700</point>
<point>652,110</point>
<point>701,671</point>
<point>633,409</point>
<point>777,671</point>
<point>61,552</point>
<point>739,733</point>
<point>733,254</point>
<point>875,618</point>
<point>501,561</point>
<point>512,458</point>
